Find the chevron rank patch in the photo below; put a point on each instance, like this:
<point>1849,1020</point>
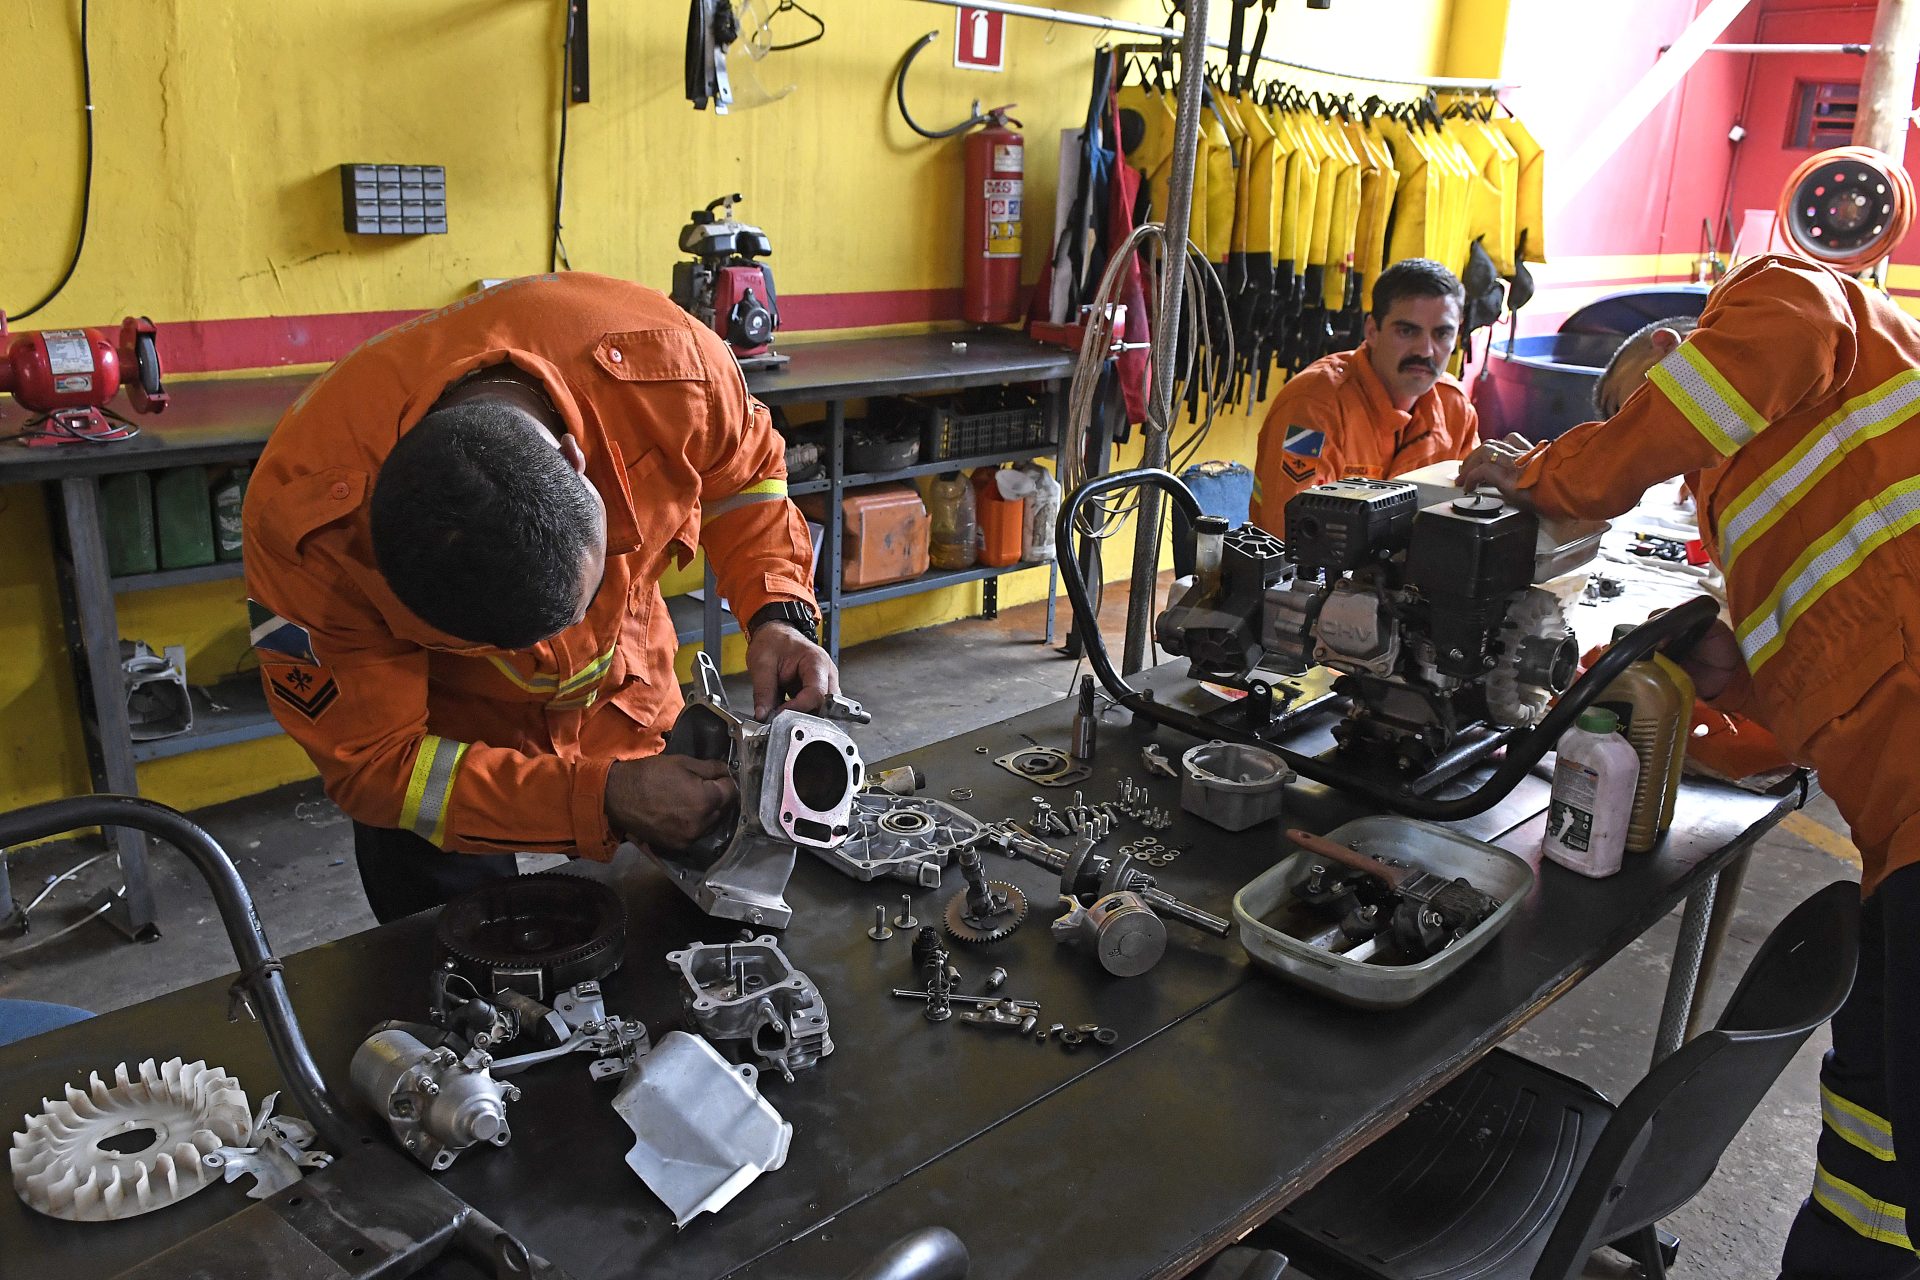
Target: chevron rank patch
<point>1305,441</point>
<point>1298,469</point>
<point>309,690</point>
<point>275,637</point>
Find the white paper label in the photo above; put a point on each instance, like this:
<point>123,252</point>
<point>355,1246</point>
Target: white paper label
<point>1009,159</point>
<point>68,351</point>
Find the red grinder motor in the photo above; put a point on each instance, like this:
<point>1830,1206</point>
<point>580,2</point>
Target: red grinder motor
<point>65,377</point>
<point>725,287</point>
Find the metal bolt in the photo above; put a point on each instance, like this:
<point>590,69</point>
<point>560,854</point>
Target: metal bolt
<point>879,932</point>
<point>430,1087</point>
<point>905,919</point>
<point>996,979</point>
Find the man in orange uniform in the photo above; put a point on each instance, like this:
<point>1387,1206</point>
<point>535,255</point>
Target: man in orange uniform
<point>454,546</point>
<point>1791,410</point>
<point>1381,410</point>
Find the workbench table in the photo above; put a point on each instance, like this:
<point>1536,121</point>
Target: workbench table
<point>1227,1094</point>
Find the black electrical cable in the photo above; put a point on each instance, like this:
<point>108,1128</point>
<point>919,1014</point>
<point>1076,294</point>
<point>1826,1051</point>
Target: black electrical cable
<point>86,188</point>
<point>556,247</point>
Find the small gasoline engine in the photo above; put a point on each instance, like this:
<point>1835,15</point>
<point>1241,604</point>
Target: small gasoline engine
<point>1428,615</point>
<point>65,377</point>
<point>725,287</point>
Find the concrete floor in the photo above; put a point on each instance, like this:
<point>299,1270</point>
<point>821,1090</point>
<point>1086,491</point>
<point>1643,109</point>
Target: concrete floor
<point>293,848</point>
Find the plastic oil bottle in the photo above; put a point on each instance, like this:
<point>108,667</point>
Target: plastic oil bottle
<point>1653,700</point>
<point>955,535</point>
<point>1593,782</point>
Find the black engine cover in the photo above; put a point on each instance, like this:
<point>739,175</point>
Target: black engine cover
<point>1350,524</point>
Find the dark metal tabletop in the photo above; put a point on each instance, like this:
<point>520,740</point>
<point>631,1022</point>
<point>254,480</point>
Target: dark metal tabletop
<point>1226,1094</point>
<point>228,419</point>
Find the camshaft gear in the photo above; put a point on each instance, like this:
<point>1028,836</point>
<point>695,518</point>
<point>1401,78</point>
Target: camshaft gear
<point>964,926</point>
<point>62,1167</point>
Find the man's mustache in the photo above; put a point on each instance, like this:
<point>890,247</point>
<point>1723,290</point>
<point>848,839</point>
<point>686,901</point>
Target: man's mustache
<point>1418,364</point>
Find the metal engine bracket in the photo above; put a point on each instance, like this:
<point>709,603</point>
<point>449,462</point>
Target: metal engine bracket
<point>749,991</point>
<point>905,837</point>
<point>797,774</point>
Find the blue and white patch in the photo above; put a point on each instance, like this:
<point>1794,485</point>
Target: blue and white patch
<point>269,631</point>
<point>1305,441</point>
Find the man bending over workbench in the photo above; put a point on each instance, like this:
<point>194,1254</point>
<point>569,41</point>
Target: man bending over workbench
<point>1791,410</point>
<point>454,545</point>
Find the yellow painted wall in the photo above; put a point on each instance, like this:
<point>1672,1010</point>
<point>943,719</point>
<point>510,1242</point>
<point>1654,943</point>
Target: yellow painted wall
<point>219,126</point>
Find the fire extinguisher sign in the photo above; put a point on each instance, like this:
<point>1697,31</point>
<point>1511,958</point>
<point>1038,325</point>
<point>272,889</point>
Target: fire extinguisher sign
<point>979,40</point>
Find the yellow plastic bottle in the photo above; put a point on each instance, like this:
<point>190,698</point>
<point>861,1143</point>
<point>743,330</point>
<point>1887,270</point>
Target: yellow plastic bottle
<point>1653,699</point>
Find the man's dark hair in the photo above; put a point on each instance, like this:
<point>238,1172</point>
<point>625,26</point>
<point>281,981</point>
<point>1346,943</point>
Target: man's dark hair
<point>1415,278</point>
<point>1636,343</point>
<point>480,526</point>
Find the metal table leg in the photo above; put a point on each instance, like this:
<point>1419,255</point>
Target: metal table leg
<point>1726,897</point>
<point>93,633</point>
<point>836,470</point>
<point>1688,952</point>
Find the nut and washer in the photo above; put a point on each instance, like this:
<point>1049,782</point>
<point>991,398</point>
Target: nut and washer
<point>1105,1036</point>
<point>960,793</point>
<point>980,751</point>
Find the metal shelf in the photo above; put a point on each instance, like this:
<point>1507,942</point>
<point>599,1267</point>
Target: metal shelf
<point>1042,450</point>
<point>242,716</point>
<point>215,572</point>
<point>932,581</point>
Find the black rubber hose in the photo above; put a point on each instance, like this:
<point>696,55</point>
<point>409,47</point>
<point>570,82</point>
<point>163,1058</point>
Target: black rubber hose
<point>900,96</point>
<point>1681,625</point>
<point>260,975</point>
<point>931,1253</point>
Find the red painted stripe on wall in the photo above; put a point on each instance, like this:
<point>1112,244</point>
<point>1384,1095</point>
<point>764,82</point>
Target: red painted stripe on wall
<point>263,342</point>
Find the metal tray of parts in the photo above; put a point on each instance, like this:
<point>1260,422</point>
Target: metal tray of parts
<point>1504,875</point>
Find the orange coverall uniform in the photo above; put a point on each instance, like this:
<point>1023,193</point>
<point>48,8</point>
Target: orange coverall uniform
<point>1791,410</point>
<point>1334,421</point>
<point>479,749</point>
<point>1782,410</point>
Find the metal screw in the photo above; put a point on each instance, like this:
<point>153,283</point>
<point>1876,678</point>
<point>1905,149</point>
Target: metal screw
<point>996,979</point>
<point>879,932</point>
<point>905,919</point>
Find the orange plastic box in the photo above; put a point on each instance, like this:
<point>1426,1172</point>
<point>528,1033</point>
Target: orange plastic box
<point>885,534</point>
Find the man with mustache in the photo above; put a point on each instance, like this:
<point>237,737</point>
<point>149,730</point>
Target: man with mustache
<point>1379,411</point>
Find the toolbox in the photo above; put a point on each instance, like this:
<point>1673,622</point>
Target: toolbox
<point>1261,907</point>
<point>885,534</point>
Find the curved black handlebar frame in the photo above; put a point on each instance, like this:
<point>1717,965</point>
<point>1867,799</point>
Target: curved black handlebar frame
<point>260,978</point>
<point>1681,626</point>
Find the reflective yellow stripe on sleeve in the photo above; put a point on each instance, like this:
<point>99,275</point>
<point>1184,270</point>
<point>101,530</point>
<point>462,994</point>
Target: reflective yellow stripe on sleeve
<point>1866,1216</point>
<point>1715,409</point>
<point>758,491</point>
<point>1861,419</point>
<point>430,789</point>
<point>1857,1125</point>
<point>1822,566</point>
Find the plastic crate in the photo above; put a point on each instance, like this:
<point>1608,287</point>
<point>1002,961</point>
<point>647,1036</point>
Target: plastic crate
<point>969,426</point>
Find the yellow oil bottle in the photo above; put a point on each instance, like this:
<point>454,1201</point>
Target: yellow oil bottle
<point>1653,699</point>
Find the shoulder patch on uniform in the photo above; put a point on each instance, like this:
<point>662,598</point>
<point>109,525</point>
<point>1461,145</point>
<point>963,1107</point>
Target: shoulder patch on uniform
<point>1298,469</point>
<point>269,631</point>
<point>1305,441</point>
<point>308,690</point>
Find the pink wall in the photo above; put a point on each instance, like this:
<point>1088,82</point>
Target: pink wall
<point>1574,63</point>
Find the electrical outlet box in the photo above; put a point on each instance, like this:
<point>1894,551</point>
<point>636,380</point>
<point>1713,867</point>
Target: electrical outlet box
<point>394,199</point>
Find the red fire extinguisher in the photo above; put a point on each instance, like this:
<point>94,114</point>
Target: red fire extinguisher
<point>995,178</point>
<point>996,171</point>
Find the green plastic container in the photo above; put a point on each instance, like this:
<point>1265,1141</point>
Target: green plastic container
<point>184,511</point>
<point>126,520</point>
